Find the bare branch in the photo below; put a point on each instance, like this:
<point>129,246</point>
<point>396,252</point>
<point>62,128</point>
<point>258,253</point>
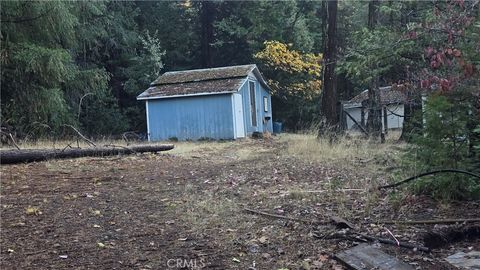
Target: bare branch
<point>80,105</point>
<point>81,135</point>
<point>12,140</point>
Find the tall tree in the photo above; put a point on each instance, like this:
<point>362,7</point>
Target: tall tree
<point>328,106</point>
<point>207,18</point>
<point>374,121</point>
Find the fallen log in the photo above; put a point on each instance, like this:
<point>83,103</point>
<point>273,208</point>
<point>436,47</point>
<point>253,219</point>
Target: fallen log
<point>32,155</point>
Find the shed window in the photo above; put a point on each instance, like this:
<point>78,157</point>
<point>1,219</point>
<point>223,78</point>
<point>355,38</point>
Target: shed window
<point>253,106</point>
<point>265,104</point>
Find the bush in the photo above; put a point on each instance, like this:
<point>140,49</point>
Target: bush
<point>445,143</point>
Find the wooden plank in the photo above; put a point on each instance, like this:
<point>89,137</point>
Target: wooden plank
<point>365,256</point>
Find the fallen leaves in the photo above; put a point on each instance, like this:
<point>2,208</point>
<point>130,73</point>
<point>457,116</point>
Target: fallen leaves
<point>143,215</point>
<point>263,240</point>
<point>33,210</point>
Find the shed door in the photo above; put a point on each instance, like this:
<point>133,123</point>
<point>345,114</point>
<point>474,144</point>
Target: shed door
<point>239,124</point>
<point>253,103</point>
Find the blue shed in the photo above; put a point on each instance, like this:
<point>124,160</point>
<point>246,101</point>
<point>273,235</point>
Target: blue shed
<point>217,103</point>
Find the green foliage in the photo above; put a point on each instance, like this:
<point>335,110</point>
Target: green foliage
<point>32,79</point>
<point>83,63</point>
<point>477,131</point>
<point>244,26</point>
<point>108,122</point>
<point>152,46</point>
<point>377,53</point>
<point>56,54</point>
<point>445,143</point>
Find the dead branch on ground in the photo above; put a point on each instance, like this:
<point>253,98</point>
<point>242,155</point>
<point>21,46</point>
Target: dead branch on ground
<point>335,220</point>
<point>389,242</point>
<point>283,217</point>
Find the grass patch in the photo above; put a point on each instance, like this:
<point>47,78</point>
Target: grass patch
<point>311,148</point>
<point>206,211</point>
<point>190,148</point>
<point>346,150</point>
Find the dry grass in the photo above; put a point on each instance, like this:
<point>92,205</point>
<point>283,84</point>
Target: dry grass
<point>196,148</point>
<point>182,148</point>
<point>346,150</point>
<point>189,202</point>
<point>353,163</point>
<point>205,210</point>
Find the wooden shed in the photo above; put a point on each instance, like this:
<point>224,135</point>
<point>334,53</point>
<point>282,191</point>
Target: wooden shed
<point>216,103</point>
<point>392,102</point>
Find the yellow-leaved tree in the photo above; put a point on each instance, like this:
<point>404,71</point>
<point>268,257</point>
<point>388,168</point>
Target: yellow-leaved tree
<point>295,79</point>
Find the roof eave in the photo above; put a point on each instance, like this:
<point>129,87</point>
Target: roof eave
<point>187,95</point>
<point>257,73</point>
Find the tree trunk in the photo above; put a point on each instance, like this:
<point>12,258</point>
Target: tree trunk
<point>328,106</point>
<point>32,155</point>
<point>374,121</point>
<point>207,18</point>
<point>411,124</point>
<point>372,14</point>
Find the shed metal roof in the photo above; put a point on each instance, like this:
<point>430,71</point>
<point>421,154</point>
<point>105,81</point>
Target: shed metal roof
<point>387,96</point>
<point>200,82</point>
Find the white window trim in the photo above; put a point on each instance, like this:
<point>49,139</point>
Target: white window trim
<point>148,121</point>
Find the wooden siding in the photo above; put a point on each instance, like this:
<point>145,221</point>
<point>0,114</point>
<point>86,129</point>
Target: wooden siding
<point>394,121</point>
<point>260,92</point>
<point>191,118</point>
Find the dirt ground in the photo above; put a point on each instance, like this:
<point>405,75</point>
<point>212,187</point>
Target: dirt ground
<point>184,209</point>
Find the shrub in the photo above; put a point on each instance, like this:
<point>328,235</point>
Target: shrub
<point>445,143</point>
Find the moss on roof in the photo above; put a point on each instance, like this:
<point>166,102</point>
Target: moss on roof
<point>197,75</point>
<point>200,81</point>
<point>387,96</point>
<point>192,88</point>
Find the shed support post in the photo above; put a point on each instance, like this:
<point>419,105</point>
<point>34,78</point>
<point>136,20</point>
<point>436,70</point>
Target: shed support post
<point>362,115</point>
<point>385,120</point>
